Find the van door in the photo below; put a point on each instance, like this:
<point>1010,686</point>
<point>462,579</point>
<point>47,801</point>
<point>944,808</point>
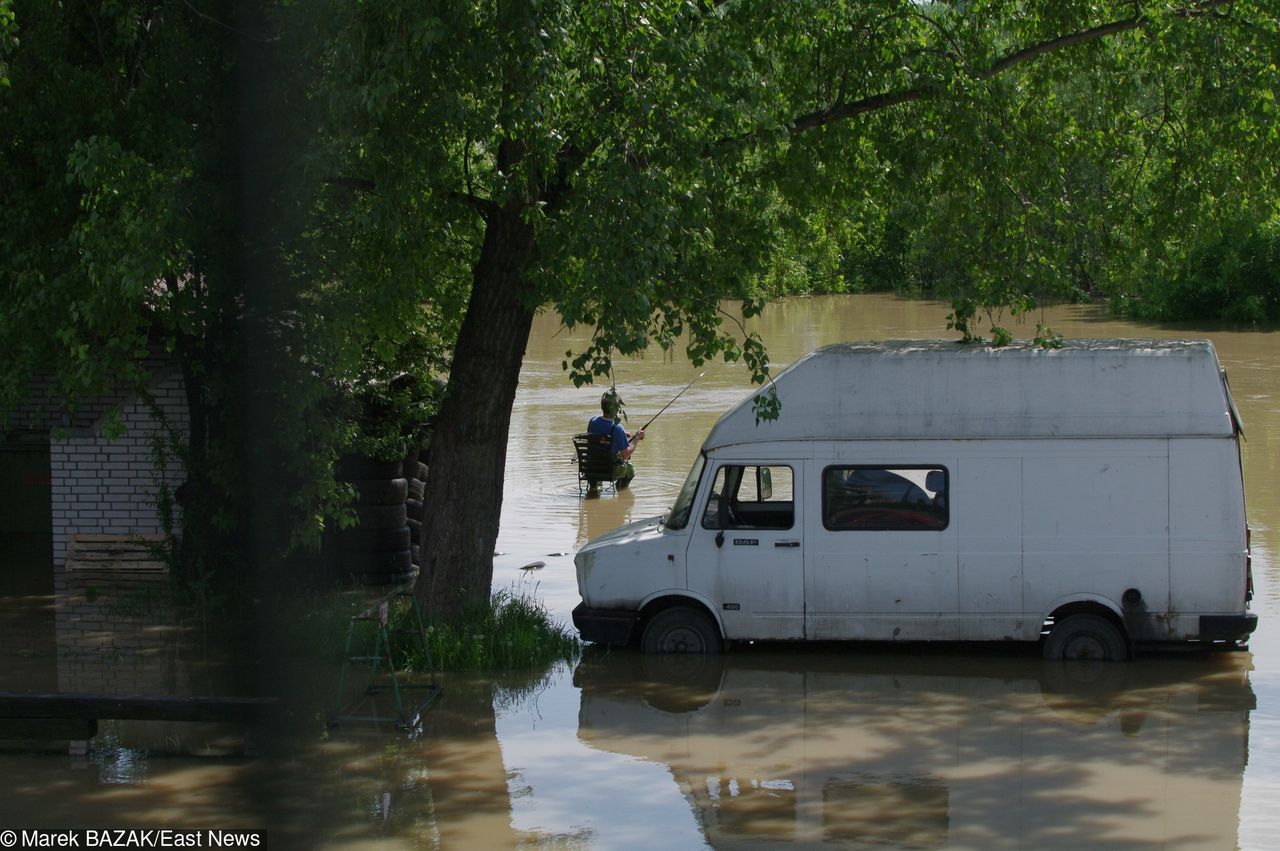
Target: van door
<point>746,554</point>
<point>882,555</point>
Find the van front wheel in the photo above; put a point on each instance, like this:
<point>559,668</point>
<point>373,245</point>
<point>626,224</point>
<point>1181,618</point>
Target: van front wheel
<point>681,630</point>
<point>1085,637</point>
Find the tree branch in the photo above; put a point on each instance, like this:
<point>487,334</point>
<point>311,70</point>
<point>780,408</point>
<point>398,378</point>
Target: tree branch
<point>1060,43</point>
<point>884,100</point>
<point>843,111</point>
<point>366,186</point>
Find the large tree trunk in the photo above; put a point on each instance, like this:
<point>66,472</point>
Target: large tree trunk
<point>467,459</point>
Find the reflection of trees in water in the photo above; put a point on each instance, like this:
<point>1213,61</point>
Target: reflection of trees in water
<point>824,746</point>
<point>443,785</point>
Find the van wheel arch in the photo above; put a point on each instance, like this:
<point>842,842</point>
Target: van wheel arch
<point>1087,630</point>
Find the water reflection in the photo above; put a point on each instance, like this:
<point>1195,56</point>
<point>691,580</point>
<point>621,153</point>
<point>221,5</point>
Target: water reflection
<point>119,635</point>
<point>27,633</point>
<point>825,746</point>
<point>603,513</point>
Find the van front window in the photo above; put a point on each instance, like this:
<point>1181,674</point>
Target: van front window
<point>678,516</point>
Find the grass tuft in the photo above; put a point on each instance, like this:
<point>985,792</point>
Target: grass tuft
<point>513,632</point>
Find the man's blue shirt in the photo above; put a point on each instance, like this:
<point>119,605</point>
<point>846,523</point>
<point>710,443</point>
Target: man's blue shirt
<point>604,425</point>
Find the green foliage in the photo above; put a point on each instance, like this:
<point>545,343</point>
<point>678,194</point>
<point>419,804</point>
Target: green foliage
<point>1232,275</point>
<point>633,165</point>
<point>119,247</point>
<point>8,39</point>
<point>511,632</point>
<point>1098,170</point>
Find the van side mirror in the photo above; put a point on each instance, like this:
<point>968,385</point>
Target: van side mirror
<point>764,483</point>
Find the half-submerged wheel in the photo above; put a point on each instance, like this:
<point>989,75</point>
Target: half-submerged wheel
<point>681,630</point>
<point>1085,637</point>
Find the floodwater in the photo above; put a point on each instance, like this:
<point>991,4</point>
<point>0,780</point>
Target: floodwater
<point>805,747</point>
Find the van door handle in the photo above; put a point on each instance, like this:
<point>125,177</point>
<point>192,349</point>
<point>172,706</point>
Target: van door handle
<point>786,543</point>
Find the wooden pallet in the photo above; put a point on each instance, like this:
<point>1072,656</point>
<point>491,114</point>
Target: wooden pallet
<point>116,555</point>
<point>74,717</point>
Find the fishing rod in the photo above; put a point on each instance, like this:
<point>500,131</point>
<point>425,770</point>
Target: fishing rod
<point>645,427</point>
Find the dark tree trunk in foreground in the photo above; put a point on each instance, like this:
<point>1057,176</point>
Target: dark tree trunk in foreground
<point>467,460</point>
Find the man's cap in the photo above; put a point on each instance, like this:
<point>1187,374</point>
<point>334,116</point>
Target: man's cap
<point>610,402</point>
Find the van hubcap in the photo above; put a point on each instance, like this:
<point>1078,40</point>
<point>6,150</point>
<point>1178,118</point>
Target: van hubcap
<point>1085,646</point>
<point>682,640</point>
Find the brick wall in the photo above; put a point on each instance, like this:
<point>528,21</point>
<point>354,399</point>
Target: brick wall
<point>110,486</point>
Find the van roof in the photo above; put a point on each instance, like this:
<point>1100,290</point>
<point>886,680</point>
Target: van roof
<point>939,389</point>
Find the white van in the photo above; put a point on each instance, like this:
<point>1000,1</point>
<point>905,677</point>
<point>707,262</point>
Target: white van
<point>1089,496</point>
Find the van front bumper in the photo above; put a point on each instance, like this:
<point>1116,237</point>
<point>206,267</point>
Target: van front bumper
<point>1227,627</point>
<point>605,626</point>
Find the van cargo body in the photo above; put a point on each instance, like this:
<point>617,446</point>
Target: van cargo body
<point>1089,496</point>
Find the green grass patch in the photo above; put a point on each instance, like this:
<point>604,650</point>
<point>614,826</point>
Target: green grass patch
<point>514,632</point>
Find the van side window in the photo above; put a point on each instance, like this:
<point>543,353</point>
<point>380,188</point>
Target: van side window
<point>884,498</point>
<point>751,497</point>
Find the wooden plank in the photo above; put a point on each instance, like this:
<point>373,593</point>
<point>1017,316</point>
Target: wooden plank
<point>48,729</point>
<point>95,537</point>
<point>14,705</point>
<point>112,553</point>
<point>79,540</point>
<point>116,555</point>
<point>117,566</point>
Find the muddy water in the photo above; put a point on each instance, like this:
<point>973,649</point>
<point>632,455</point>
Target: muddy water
<point>805,748</point>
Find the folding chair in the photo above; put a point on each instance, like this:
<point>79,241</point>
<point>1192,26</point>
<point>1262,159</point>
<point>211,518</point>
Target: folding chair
<point>595,460</point>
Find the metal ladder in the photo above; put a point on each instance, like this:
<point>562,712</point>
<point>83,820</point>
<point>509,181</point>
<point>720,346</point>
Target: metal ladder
<point>407,715</point>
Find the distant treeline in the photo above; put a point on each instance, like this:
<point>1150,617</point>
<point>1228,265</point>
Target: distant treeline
<point>1230,275</point>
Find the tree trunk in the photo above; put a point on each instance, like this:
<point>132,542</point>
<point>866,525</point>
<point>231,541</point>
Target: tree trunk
<point>467,459</point>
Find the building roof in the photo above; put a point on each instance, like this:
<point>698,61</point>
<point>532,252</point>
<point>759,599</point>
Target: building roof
<point>934,389</point>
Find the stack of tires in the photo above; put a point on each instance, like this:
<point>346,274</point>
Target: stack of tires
<point>378,549</point>
<point>415,473</point>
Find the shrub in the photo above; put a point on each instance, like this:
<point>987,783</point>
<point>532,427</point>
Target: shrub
<point>1235,276</point>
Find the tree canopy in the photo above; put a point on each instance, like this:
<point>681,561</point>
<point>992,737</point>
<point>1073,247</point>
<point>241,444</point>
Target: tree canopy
<point>633,164</point>
<point>450,168</point>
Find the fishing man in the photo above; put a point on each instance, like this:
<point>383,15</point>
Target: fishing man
<point>623,445</point>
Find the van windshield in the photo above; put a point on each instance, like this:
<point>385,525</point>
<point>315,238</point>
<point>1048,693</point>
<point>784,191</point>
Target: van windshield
<point>678,516</point>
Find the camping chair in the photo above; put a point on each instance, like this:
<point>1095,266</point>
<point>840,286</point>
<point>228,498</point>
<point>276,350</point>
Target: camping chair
<point>595,459</point>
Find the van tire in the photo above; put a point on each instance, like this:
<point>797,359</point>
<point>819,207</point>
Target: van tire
<point>681,630</point>
<point>1085,638</point>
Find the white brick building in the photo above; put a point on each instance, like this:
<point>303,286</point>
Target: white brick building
<point>99,484</point>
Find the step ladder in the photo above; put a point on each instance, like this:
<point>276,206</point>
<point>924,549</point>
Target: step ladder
<point>408,700</point>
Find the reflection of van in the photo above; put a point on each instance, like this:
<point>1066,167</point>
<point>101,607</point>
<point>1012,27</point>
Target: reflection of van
<point>930,751</point>
<point>923,491</point>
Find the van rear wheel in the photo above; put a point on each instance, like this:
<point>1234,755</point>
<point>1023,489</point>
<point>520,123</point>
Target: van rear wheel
<point>1085,637</point>
<point>681,630</point>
